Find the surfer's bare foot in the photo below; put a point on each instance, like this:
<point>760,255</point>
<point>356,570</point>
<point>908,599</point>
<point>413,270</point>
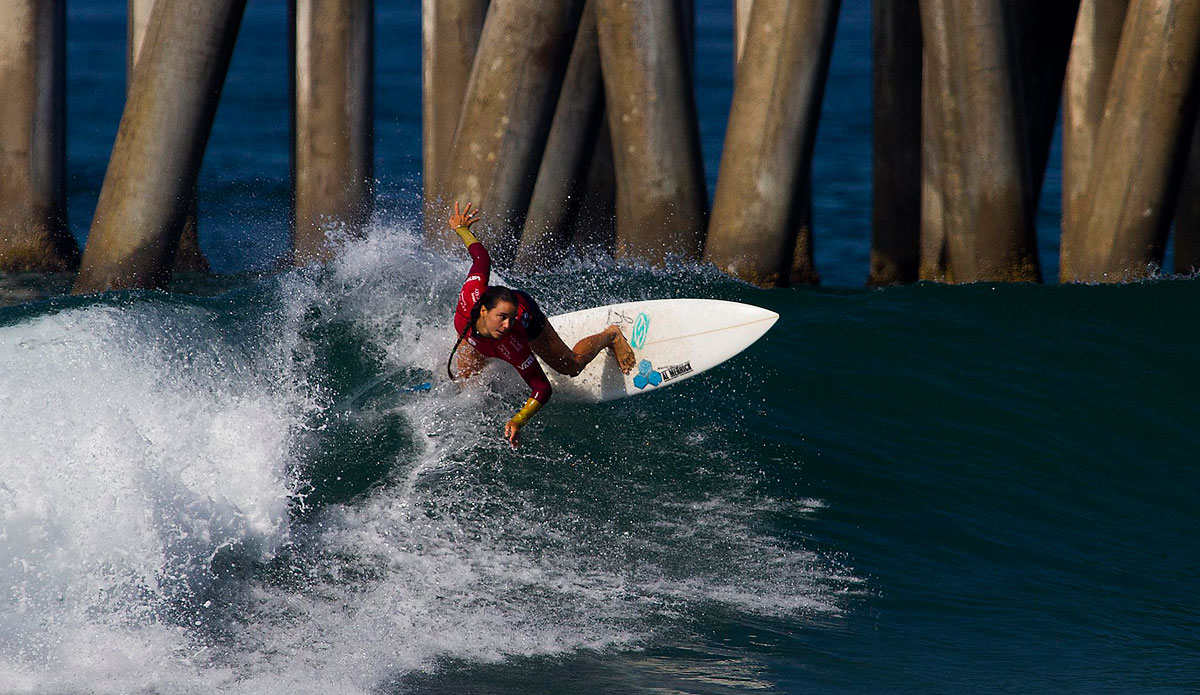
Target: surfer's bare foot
<point>626,360</point>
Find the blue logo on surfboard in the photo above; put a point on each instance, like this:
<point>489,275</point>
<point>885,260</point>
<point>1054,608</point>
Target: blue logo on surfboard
<point>641,328</point>
<point>649,376</point>
<point>646,375</point>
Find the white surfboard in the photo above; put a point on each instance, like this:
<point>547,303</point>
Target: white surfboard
<point>674,339</point>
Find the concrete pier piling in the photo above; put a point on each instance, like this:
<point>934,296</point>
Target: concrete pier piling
<point>896,79</point>
<point>741,22</point>
<point>160,144</point>
<point>506,115</point>
<point>987,194</point>
<point>188,258</point>
<point>933,263</point>
<point>33,223</point>
<point>1140,147</point>
<point>333,136</point>
<point>661,196</point>
<point>762,198</point>
<point>559,188</point>
<point>450,32</point>
<point>997,242</point>
<point>1187,214</point>
<point>941,174</point>
<point>803,269</point>
<point>573,124</point>
<point>594,224</point>
<point>1089,72</point>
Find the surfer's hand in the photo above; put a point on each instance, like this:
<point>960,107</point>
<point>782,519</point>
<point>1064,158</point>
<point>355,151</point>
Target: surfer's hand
<point>463,218</point>
<point>512,432</point>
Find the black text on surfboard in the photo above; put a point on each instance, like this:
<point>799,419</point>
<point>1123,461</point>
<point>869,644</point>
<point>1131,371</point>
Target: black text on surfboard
<point>675,370</point>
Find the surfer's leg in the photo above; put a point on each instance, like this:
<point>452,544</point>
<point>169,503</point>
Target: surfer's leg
<point>554,352</point>
<point>571,361</point>
<point>470,361</point>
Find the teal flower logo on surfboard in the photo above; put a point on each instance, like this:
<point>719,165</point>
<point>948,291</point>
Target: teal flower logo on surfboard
<point>641,328</point>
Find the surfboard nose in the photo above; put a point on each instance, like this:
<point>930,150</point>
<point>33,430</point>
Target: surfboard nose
<point>759,321</point>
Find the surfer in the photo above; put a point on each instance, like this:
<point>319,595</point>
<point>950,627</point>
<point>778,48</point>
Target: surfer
<point>496,321</point>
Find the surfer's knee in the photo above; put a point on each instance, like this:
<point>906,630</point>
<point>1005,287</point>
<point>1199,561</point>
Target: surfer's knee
<point>572,364</point>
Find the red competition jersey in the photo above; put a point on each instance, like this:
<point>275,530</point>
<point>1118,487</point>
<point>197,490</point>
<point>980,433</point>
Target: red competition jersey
<point>514,346</point>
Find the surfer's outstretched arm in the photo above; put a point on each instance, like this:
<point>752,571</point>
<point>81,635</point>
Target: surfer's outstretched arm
<point>473,287</point>
<point>481,265</point>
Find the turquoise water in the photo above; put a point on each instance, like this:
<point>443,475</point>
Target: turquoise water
<point>922,489</point>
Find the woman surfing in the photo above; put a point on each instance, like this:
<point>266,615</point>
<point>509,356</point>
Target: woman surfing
<point>496,321</point>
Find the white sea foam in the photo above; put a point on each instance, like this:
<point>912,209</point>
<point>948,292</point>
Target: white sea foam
<point>151,452</point>
<point>132,455</point>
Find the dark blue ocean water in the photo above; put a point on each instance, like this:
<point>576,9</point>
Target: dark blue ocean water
<point>982,488</point>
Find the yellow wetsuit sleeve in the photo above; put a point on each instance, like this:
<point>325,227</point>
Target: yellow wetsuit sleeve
<point>465,234</point>
<point>531,406</point>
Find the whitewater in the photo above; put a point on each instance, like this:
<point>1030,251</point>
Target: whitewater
<point>197,496</point>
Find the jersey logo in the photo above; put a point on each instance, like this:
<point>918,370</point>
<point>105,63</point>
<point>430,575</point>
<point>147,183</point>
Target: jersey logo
<point>525,365</point>
<point>503,351</point>
<point>641,328</point>
<point>646,375</point>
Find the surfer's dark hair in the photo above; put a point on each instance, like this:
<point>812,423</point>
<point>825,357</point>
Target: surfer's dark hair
<point>488,300</point>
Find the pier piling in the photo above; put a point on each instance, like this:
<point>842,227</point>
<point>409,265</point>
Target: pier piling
<point>33,223</point>
<point>941,173</point>
<point>741,22</point>
<point>758,230</point>
<point>1140,147</point>
<point>559,188</point>
<point>594,224</point>
<point>574,124</point>
<point>506,115</point>
<point>333,110</point>
<point>896,82</point>
<point>160,144</point>
<point>1089,71</point>
<point>661,195</point>
<point>986,189</point>
<point>450,32</point>
<point>188,258</point>
<point>1187,215</point>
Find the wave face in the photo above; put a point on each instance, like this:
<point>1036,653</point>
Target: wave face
<point>237,493</point>
<point>906,490</point>
<point>984,488</point>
